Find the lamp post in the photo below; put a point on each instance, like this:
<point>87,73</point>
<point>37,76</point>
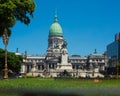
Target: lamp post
<point>117,72</point>
<point>117,67</point>
<point>93,69</point>
<point>33,68</point>
<point>45,67</point>
<point>5,41</point>
<point>25,74</point>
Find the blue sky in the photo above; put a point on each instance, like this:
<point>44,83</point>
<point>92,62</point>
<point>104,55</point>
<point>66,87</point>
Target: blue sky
<point>86,24</point>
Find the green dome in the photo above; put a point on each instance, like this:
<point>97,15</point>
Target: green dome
<point>55,28</point>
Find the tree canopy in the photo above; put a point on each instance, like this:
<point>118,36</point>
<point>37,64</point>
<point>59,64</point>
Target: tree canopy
<point>13,10</point>
<point>14,61</point>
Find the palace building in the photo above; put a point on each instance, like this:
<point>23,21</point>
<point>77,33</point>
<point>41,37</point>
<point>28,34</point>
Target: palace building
<point>56,60</point>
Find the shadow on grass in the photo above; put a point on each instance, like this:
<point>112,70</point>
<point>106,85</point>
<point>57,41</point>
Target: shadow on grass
<point>36,92</point>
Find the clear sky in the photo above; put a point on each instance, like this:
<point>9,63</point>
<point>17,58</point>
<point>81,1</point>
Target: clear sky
<point>86,24</point>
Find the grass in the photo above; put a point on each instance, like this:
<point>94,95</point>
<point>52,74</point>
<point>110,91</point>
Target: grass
<point>37,86</point>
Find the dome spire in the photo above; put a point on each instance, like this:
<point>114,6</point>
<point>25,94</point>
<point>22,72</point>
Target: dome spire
<point>56,17</point>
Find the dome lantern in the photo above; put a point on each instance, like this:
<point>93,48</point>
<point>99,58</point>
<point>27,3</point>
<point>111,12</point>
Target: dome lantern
<point>55,18</point>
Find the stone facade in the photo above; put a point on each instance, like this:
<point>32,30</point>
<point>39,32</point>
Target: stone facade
<point>56,59</point>
<point>81,65</point>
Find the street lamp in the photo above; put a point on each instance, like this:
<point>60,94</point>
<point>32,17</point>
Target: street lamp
<point>45,68</point>
<point>5,41</point>
<point>25,74</point>
<point>117,67</point>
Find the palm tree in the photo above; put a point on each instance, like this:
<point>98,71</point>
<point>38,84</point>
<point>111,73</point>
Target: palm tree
<point>10,12</point>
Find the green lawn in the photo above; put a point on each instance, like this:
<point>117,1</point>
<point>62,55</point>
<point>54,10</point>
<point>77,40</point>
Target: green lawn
<point>37,86</point>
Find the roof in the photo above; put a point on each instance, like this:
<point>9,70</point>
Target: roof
<point>55,28</point>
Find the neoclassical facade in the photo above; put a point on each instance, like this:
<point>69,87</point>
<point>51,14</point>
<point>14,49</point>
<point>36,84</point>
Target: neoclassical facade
<point>56,59</point>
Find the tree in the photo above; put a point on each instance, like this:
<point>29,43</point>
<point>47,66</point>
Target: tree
<point>65,73</point>
<point>14,61</point>
<point>118,68</point>
<point>10,12</point>
<point>13,10</point>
